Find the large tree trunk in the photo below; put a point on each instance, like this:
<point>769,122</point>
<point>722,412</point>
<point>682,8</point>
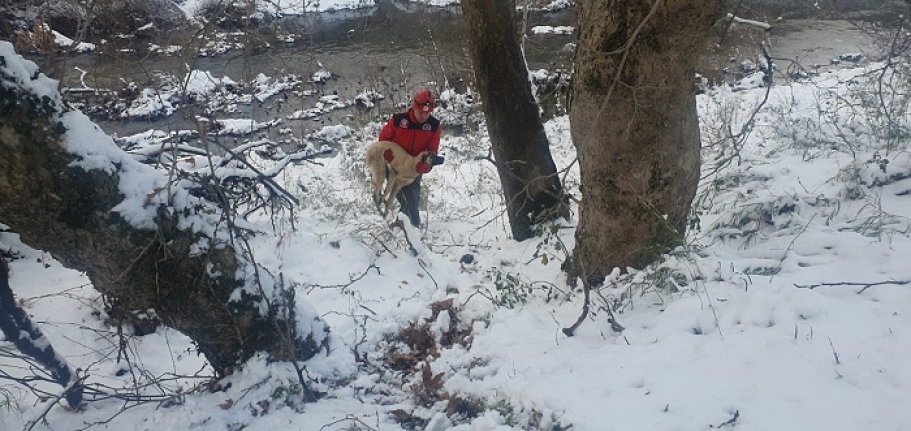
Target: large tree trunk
<point>521,150</point>
<point>57,206</point>
<point>634,123</point>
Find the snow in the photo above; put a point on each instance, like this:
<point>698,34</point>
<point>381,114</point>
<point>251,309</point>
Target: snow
<point>241,126</point>
<point>200,86</point>
<point>547,29</point>
<point>286,7</point>
<point>789,308</point>
<point>66,42</point>
<point>202,82</point>
<point>26,75</point>
<point>324,104</point>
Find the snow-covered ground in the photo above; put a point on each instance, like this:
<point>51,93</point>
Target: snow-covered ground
<point>789,308</point>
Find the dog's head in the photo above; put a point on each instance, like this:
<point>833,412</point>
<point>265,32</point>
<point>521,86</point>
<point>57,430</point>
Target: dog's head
<point>432,159</point>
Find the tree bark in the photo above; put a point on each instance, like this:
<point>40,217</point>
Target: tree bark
<point>68,211</point>
<point>521,150</point>
<point>634,123</point>
<point>19,330</point>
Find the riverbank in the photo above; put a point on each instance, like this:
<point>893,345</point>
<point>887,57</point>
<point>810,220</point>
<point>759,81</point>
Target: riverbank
<point>357,66</point>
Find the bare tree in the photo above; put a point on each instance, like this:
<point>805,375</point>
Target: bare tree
<point>634,123</point>
<point>521,150</point>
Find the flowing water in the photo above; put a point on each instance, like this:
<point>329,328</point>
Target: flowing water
<point>396,47</point>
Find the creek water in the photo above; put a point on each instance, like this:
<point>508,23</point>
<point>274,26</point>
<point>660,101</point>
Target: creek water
<point>396,47</point>
<point>392,48</point>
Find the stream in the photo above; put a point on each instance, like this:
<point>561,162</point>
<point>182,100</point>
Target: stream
<point>395,47</point>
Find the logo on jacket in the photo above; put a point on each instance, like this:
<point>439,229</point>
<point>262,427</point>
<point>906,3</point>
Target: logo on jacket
<point>425,126</point>
<point>404,123</point>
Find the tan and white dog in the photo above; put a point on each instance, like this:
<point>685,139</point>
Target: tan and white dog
<point>401,168</point>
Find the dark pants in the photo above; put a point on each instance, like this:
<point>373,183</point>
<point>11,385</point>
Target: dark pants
<point>409,198</point>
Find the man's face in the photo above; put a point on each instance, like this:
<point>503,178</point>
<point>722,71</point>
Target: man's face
<point>421,116</point>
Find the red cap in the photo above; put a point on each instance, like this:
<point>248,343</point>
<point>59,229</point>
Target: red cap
<point>424,101</point>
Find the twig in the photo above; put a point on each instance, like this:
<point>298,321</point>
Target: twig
<point>834,353</point>
<point>380,241</point>
<point>424,267</point>
<point>347,418</point>
<point>414,251</point>
<point>626,52</point>
<point>354,279</point>
<point>852,283</point>
<point>739,138</point>
<point>731,421</point>
<point>398,223</point>
<point>586,305</point>
<point>791,245</point>
<point>569,332</point>
<point>45,410</point>
<point>614,324</point>
<point>889,61</point>
<point>730,18</point>
<point>265,178</point>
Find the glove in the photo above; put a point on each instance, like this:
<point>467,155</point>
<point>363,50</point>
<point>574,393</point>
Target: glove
<point>422,168</point>
<point>388,156</point>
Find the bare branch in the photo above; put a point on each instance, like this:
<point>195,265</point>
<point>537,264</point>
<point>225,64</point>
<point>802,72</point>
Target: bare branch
<point>850,283</point>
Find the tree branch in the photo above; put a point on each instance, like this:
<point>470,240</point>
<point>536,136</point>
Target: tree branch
<point>849,283</point>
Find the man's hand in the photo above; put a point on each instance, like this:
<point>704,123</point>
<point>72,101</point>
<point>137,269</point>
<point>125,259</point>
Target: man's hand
<point>389,156</point>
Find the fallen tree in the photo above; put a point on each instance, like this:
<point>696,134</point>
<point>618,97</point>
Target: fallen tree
<point>150,237</point>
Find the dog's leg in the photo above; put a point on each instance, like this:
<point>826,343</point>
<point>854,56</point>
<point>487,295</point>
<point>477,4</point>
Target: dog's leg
<point>378,176</point>
<point>392,188</point>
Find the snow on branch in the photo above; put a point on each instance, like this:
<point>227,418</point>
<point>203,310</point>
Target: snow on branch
<point>178,213</point>
<point>758,24</point>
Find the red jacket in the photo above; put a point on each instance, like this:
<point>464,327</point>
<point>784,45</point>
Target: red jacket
<point>410,135</point>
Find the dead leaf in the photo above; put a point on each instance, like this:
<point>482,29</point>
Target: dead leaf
<point>439,306</point>
<point>152,195</point>
<point>431,383</point>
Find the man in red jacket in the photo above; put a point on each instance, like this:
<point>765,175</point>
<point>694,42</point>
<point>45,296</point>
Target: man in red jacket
<point>415,130</point>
